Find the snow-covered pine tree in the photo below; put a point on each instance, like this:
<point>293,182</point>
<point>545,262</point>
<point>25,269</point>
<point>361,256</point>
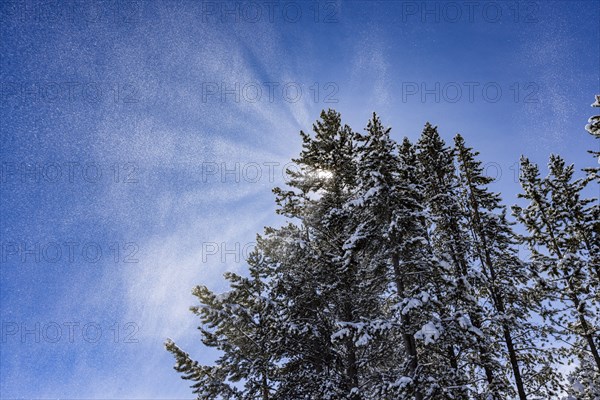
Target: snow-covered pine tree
<point>593,216</point>
<point>390,237</point>
<point>419,279</point>
<point>241,323</point>
<point>323,184</point>
<point>585,379</point>
<point>423,281</point>
<point>365,247</point>
<point>558,230</point>
<point>504,280</point>
<point>470,349</point>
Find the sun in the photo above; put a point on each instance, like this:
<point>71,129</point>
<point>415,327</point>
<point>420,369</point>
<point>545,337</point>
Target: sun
<point>324,174</point>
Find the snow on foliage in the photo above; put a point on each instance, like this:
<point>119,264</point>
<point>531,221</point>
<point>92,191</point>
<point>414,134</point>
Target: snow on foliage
<point>399,277</point>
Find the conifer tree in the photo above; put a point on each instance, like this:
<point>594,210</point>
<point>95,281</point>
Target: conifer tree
<point>585,379</point>
<point>593,216</point>
<point>557,234</point>
<point>504,279</point>
<point>470,351</point>
<point>365,247</point>
<point>240,323</point>
<point>321,187</point>
<point>390,231</point>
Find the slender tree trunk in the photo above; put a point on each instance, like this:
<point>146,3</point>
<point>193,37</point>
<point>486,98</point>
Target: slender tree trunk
<point>585,326</point>
<point>514,363</point>
<point>265,387</point>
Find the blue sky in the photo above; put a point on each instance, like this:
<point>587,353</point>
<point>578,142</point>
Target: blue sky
<point>140,141</point>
